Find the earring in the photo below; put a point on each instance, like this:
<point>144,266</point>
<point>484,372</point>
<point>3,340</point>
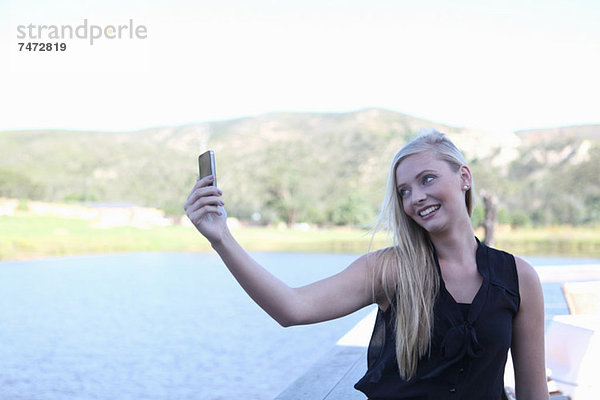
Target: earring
<point>466,187</point>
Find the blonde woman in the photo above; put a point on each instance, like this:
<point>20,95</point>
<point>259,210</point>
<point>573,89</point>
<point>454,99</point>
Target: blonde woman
<point>449,307</point>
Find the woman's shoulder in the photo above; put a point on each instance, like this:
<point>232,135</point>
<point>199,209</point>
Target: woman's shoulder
<point>381,259</point>
<point>523,270</point>
<point>380,254</point>
<point>517,272</point>
<point>382,267</point>
<point>373,263</point>
<point>501,267</point>
<point>528,277</point>
<point>375,259</point>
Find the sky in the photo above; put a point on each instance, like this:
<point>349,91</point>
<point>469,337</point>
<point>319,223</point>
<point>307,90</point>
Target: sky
<point>490,65</point>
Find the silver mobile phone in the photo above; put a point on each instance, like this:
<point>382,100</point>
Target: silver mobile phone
<point>206,165</point>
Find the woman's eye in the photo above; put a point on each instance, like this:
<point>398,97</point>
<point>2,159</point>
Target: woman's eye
<point>404,192</point>
<point>428,178</point>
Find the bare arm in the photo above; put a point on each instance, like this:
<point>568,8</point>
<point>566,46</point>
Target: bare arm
<point>528,337</point>
<point>330,298</point>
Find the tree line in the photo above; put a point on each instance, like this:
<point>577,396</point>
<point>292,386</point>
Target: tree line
<point>327,169</point>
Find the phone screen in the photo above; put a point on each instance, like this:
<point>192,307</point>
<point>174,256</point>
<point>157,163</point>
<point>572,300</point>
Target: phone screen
<point>206,164</point>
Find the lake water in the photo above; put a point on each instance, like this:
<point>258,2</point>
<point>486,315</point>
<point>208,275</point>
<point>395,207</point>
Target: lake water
<point>161,326</point>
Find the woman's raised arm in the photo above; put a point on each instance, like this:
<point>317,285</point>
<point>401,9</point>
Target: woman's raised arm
<point>330,298</point>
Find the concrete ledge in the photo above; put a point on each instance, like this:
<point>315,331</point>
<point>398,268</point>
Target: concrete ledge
<point>332,377</point>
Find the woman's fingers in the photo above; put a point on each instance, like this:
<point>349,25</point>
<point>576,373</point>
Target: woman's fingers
<point>202,201</point>
<point>204,182</point>
<point>200,191</point>
<point>207,180</point>
<point>197,215</point>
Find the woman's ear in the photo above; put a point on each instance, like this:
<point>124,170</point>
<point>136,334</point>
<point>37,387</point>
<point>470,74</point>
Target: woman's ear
<point>466,179</point>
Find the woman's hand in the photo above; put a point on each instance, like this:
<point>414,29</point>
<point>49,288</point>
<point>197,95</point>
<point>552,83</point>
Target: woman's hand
<point>204,208</point>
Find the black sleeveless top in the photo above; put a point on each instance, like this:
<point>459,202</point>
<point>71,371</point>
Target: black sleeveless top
<point>468,354</point>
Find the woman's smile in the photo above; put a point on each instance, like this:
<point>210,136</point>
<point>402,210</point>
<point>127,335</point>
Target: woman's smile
<point>428,211</point>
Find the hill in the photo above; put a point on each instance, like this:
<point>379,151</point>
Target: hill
<point>313,167</point>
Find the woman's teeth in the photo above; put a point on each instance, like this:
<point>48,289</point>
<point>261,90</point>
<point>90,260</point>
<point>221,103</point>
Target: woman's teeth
<point>428,211</point>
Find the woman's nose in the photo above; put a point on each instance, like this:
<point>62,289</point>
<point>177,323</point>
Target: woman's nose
<point>418,196</point>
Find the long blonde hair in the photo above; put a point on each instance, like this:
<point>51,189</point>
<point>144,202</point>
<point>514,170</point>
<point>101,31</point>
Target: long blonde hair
<point>411,264</point>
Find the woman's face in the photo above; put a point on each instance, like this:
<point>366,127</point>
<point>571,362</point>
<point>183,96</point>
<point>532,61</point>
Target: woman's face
<point>432,193</point>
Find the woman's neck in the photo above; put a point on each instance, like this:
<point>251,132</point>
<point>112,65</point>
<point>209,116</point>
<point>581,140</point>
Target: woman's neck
<point>458,246</point>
